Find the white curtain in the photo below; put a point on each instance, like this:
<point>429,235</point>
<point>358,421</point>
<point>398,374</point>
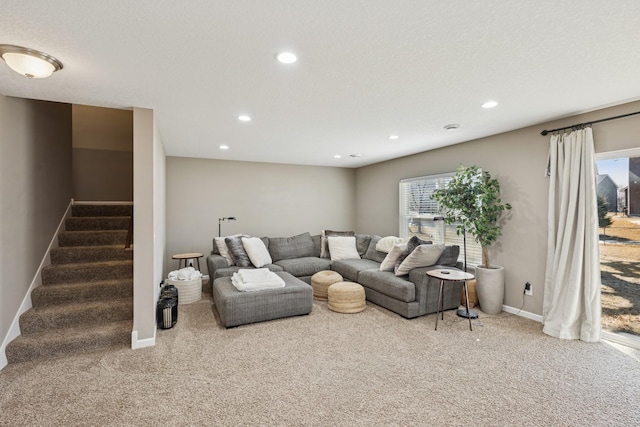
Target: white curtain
<point>571,307</point>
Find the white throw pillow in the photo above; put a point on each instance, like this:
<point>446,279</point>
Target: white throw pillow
<point>343,247</point>
<point>223,249</point>
<point>257,251</point>
<point>389,262</point>
<point>386,243</point>
<point>324,243</point>
<point>422,256</point>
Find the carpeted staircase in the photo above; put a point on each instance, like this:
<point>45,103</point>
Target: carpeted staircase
<point>86,298</point>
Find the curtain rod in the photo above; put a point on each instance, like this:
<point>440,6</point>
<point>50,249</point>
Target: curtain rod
<point>545,132</point>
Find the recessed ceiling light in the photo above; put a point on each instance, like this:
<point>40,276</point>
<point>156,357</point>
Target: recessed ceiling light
<point>452,126</point>
<point>286,57</point>
<point>224,147</point>
<point>337,156</point>
<point>489,104</point>
<point>355,155</point>
<point>244,118</point>
<point>393,137</point>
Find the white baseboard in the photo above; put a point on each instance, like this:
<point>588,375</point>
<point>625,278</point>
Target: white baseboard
<point>147,342</point>
<point>521,313</point>
<point>14,329</point>
<point>621,338</point>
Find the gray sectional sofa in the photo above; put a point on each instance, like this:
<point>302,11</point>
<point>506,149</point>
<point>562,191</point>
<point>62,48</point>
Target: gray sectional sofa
<point>411,295</point>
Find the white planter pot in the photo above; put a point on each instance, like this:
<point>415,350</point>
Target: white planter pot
<point>490,287</point>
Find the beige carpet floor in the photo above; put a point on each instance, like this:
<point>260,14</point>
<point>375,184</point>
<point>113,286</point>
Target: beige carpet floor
<point>330,369</point>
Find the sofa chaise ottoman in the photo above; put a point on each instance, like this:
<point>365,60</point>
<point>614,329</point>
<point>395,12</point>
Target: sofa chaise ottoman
<point>239,308</point>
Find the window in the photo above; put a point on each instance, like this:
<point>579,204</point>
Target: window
<point>420,216</point>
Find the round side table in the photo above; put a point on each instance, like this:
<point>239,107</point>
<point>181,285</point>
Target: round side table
<point>186,257</point>
<point>447,275</point>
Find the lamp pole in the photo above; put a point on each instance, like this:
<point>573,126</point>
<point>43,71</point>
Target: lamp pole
<point>229,218</point>
<point>462,312</point>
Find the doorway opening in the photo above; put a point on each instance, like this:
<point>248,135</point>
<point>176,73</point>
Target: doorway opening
<point>619,221</point>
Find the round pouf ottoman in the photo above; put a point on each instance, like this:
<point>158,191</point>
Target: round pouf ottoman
<point>321,281</point>
<point>346,297</point>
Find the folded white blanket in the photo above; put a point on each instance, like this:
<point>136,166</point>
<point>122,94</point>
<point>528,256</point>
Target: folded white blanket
<point>274,281</point>
<point>254,274</point>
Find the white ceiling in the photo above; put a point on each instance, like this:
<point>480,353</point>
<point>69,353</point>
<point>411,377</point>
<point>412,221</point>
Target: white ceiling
<point>367,69</point>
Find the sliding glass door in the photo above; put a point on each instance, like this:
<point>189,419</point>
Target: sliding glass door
<point>619,220</point>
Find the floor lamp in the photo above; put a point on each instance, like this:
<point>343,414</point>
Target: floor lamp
<point>462,312</point>
<point>229,218</point>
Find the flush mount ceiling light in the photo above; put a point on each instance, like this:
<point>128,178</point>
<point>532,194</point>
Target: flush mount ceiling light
<point>452,127</point>
<point>244,118</point>
<point>286,57</point>
<point>393,137</point>
<point>337,156</point>
<point>489,104</point>
<point>28,62</point>
<point>224,147</point>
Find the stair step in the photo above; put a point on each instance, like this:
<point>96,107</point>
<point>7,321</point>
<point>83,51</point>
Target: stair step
<point>67,341</point>
<point>102,210</point>
<point>92,238</point>
<point>65,293</point>
<point>87,272</point>
<point>80,254</point>
<point>86,301</point>
<point>41,319</point>
<point>85,223</point>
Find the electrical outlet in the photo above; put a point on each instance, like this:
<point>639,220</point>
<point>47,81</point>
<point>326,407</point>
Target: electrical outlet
<point>528,289</point>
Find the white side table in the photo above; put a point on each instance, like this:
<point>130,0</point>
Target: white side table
<point>448,275</point>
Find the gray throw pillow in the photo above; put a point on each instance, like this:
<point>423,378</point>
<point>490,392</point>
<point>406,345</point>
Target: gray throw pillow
<point>291,247</point>
<point>317,244</point>
<point>450,256</point>
<point>236,248</point>
<point>413,243</point>
<point>372,253</point>
<point>265,240</point>
<point>362,243</point>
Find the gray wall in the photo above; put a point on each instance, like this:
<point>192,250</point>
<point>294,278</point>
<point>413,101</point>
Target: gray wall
<point>102,154</point>
<point>35,190</point>
<point>518,160</point>
<point>267,200</point>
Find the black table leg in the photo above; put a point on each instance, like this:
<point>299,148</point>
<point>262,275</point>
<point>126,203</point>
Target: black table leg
<point>440,304</point>
<point>466,294</point>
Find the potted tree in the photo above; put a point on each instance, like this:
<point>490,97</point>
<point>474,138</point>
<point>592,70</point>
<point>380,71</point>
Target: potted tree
<point>472,201</point>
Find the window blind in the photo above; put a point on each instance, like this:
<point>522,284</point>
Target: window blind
<point>420,216</point>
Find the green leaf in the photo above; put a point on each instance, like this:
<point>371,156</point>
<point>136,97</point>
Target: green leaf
<point>472,199</point>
